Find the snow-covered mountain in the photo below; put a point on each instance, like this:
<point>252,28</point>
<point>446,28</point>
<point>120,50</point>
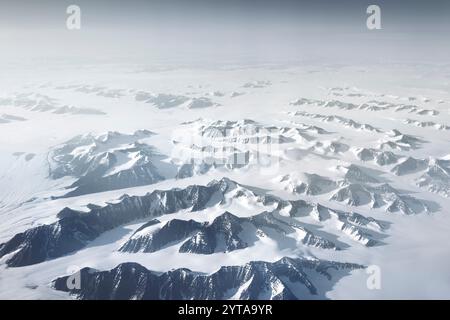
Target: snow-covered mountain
<point>75,229</point>
<point>383,195</point>
<point>164,101</point>
<point>306,183</point>
<point>226,233</point>
<point>105,162</point>
<point>285,279</point>
<point>436,177</point>
<point>242,183</point>
<point>356,188</point>
<point>371,105</point>
<point>397,140</point>
<point>380,157</point>
<point>43,103</point>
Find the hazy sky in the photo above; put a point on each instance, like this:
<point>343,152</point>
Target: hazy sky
<point>212,29</point>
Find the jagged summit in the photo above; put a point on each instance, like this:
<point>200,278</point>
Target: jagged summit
<point>436,177</point>
<point>37,102</point>
<point>226,233</point>
<point>107,161</point>
<point>409,165</point>
<point>286,278</point>
<point>380,157</point>
<point>354,173</point>
<point>379,196</point>
<point>75,229</point>
<point>399,141</point>
<point>309,184</point>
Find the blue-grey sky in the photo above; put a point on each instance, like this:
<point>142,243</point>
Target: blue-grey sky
<point>256,29</point>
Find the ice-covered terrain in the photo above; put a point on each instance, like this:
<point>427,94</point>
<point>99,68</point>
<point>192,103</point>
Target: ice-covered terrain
<point>260,182</point>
